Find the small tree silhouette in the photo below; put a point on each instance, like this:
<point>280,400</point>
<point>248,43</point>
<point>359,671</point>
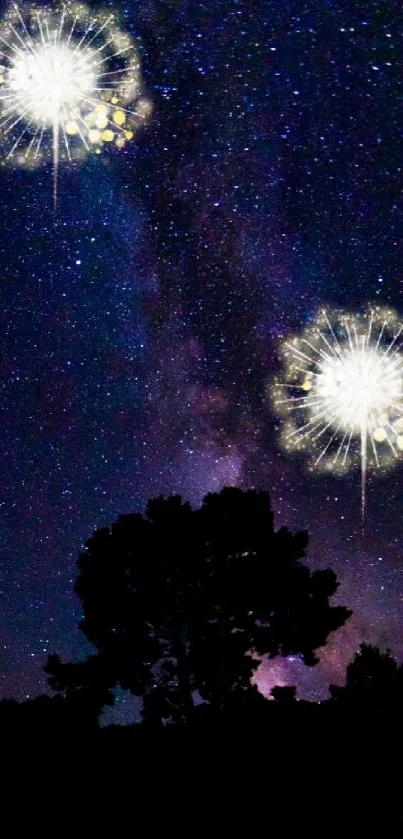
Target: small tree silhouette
<point>373,678</point>
<point>176,599</point>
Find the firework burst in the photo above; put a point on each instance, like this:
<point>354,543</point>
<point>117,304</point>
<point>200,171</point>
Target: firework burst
<point>69,82</point>
<point>342,398</point>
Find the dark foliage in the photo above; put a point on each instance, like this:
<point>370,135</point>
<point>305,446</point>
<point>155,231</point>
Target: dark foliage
<point>85,685</point>
<point>176,600</point>
<point>373,679</point>
<point>285,695</point>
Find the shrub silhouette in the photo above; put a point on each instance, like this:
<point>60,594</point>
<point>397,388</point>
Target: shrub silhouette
<point>284,695</point>
<point>373,678</point>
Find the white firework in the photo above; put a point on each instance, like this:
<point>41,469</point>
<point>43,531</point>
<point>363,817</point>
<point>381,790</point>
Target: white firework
<point>67,76</point>
<point>344,391</point>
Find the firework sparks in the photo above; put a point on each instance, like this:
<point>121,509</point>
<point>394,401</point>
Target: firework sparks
<point>342,399</point>
<point>69,83</point>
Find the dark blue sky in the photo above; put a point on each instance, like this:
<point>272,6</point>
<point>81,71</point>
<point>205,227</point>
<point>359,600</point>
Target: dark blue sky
<point>140,329</point>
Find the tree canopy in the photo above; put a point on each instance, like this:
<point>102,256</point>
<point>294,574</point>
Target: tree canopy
<point>177,599</point>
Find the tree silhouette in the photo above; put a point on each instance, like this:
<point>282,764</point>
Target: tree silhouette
<point>176,600</point>
<point>373,678</point>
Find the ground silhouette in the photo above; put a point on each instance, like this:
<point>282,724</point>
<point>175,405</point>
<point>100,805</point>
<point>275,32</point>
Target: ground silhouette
<point>174,601</point>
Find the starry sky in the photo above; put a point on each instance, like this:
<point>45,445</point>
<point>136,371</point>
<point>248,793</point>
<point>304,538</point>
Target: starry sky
<point>140,327</point>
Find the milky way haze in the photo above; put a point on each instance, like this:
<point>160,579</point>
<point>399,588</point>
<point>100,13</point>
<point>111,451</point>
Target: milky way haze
<point>141,329</point>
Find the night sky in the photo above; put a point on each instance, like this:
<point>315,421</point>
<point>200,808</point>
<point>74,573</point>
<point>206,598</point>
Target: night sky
<point>140,327</point>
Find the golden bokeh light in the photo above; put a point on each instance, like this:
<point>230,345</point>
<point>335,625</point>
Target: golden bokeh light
<point>70,81</point>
